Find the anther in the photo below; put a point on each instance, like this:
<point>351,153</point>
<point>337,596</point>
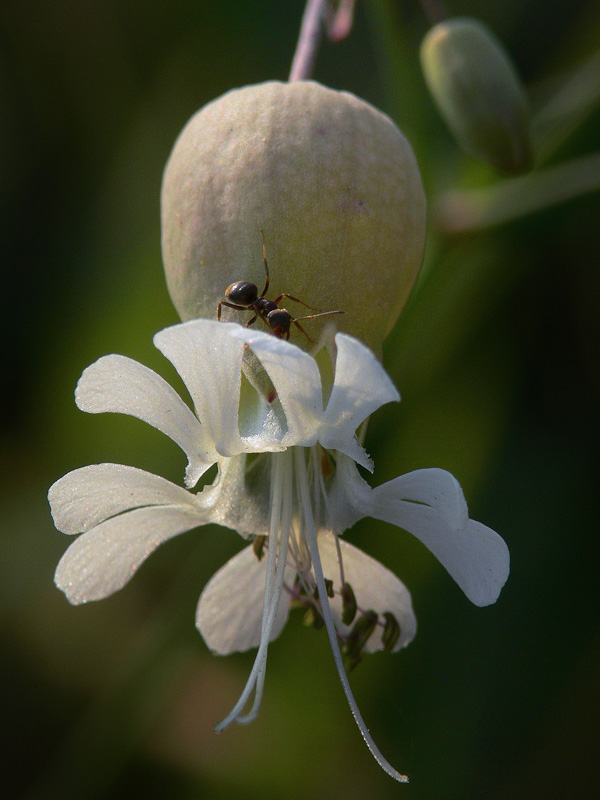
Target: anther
<point>312,618</point>
<point>359,636</point>
<point>391,631</point>
<point>258,546</point>
<point>348,604</point>
<point>328,587</point>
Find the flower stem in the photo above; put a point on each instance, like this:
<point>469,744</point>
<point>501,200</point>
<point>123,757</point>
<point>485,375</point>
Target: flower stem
<point>463,210</point>
<point>311,31</point>
<point>311,535</point>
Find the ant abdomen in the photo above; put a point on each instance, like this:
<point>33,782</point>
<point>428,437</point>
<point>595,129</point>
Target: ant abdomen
<point>242,292</point>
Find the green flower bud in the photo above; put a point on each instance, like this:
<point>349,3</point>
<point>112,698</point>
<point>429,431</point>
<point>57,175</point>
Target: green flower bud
<point>478,92</point>
<point>330,180</point>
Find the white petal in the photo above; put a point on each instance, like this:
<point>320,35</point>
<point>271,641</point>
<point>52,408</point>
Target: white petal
<point>349,447</point>
<point>430,505</point>
<point>374,586</point>
<point>438,489</point>
<point>350,496</point>
<point>209,361</point>
<point>119,384</point>
<point>296,378</point>
<point>240,498</point>
<point>85,497</point>
<point>229,613</point>
<point>102,560</point>
<point>361,386</point>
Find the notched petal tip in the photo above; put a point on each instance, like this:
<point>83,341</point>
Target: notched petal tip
<point>87,496</point>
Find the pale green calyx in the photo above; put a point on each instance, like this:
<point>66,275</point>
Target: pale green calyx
<point>478,92</point>
<point>330,180</point>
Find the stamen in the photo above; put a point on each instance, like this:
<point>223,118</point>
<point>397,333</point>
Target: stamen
<point>270,611</point>
<point>258,546</point>
<point>279,532</point>
<point>391,632</point>
<point>348,604</point>
<point>311,534</point>
<point>300,553</point>
<point>340,562</point>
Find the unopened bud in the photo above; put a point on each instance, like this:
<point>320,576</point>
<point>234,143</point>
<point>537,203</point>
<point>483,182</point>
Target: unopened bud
<point>478,92</point>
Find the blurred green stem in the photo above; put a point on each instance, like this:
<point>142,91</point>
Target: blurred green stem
<point>568,108</point>
<point>467,210</point>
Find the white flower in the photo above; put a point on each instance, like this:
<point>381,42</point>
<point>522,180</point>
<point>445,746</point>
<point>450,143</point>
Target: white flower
<point>256,394</point>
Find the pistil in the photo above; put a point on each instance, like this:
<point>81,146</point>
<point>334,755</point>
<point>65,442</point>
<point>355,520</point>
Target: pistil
<point>311,536</point>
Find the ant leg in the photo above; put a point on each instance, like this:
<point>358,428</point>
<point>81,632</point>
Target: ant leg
<point>320,314</point>
<point>264,291</point>
<point>229,305</point>
<point>263,316</point>
<point>252,321</point>
<point>297,324</point>
<point>295,299</point>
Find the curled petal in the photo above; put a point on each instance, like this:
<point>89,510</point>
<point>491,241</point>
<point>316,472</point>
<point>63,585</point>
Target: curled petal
<point>229,613</point>
<point>374,586</point>
<point>240,497</point>
<point>102,560</point>
<point>429,504</point>
<point>209,360</point>
<point>350,498</point>
<point>120,384</point>
<point>360,387</point>
<point>85,497</point>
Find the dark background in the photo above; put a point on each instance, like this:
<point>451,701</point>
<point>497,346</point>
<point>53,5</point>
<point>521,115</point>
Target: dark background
<point>495,356</point>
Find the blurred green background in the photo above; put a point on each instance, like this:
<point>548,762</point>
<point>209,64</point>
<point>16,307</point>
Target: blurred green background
<point>496,358</point>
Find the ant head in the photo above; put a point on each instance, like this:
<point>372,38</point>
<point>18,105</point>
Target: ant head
<point>279,322</point>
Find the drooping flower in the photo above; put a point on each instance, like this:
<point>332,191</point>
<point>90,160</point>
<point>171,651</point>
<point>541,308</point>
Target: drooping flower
<point>281,428</point>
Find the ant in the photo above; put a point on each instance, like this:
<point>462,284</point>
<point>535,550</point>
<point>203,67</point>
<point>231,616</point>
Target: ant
<point>244,296</point>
